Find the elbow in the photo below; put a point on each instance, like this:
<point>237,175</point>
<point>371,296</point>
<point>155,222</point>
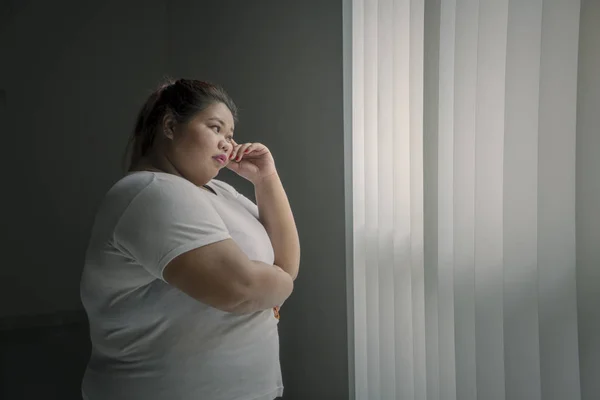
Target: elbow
<point>294,274</point>
<point>232,305</point>
<point>290,265</point>
<point>242,300</point>
<point>239,302</point>
<point>243,308</point>
<point>270,286</point>
<point>237,296</point>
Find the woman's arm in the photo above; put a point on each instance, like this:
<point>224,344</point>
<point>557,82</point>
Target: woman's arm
<point>223,277</point>
<point>276,216</point>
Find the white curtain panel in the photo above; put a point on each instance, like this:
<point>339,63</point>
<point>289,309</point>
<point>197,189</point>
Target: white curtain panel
<point>463,122</point>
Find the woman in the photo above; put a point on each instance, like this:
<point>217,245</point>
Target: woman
<point>183,275</point>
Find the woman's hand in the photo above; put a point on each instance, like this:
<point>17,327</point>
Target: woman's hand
<point>252,161</point>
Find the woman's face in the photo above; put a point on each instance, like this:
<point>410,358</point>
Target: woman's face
<point>199,149</point>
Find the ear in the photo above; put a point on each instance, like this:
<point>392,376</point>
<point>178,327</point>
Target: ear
<point>168,125</point>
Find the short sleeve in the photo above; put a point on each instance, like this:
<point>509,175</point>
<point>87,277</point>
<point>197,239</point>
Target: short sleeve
<point>167,218</point>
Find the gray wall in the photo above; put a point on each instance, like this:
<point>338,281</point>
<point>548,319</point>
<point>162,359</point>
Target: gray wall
<point>588,200</point>
<point>72,77</point>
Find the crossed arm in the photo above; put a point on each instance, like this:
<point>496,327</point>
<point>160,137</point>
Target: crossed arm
<point>222,276</point>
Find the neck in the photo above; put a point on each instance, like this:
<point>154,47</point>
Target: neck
<point>156,163</point>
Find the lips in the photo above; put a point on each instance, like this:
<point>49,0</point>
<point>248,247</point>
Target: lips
<point>222,158</point>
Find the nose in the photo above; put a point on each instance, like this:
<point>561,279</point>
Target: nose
<point>224,146</point>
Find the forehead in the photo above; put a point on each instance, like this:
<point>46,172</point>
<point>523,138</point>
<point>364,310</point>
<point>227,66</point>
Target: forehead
<point>217,111</point>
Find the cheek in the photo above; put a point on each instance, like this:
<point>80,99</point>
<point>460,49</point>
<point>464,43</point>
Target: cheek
<point>198,142</point>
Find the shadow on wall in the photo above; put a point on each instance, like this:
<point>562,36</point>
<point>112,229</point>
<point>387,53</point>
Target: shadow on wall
<point>43,360</point>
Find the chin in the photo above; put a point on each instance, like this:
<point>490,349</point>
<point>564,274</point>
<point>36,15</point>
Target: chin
<point>199,179</point>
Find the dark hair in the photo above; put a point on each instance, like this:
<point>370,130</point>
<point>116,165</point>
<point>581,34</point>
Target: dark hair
<point>183,99</point>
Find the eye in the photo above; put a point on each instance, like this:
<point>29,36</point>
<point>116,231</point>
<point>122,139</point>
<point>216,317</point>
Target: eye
<point>217,128</point>
<point>229,138</point>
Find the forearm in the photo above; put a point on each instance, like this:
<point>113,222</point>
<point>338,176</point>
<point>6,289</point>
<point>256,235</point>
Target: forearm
<point>276,215</point>
<point>270,287</point>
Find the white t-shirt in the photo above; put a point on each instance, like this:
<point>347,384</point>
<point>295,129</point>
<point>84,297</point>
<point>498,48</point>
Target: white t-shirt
<point>151,341</point>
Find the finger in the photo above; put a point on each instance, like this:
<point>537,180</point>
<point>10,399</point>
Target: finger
<point>234,151</point>
<point>257,148</point>
<point>242,151</point>
<point>251,148</point>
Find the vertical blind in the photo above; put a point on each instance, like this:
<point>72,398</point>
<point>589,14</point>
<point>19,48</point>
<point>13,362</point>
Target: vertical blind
<point>463,121</point>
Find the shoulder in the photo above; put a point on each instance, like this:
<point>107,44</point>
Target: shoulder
<point>138,181</point>
<point>153,182</point>
<point>150,189</point>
